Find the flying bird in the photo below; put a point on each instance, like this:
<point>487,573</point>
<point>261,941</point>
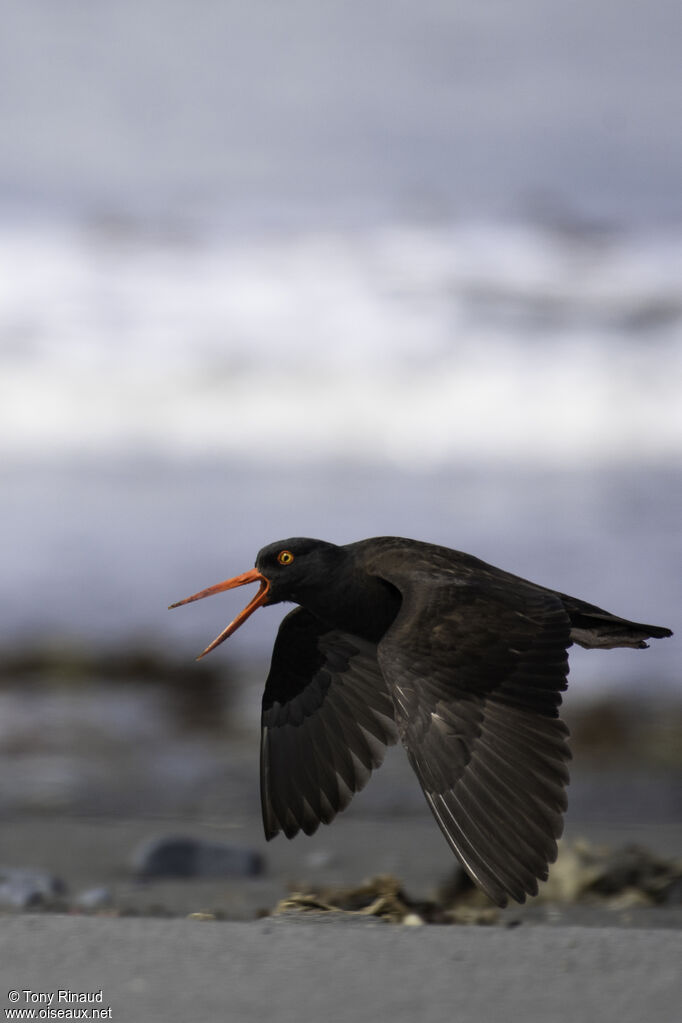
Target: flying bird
<point>463,662</point>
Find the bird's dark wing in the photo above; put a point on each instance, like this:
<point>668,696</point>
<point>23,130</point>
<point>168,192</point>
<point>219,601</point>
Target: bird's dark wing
<point>327,718</point>
<point>476,667</point>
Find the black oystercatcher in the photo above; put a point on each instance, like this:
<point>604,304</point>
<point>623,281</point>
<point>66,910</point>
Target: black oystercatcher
<point>462,661</point>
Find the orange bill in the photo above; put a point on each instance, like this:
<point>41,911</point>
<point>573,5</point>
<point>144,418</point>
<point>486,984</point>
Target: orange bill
<point>253,576</point>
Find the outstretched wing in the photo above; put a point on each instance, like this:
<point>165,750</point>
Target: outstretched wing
<point>327,719</point>
<point>476,668</point>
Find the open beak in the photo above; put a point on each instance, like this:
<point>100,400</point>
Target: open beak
<point>253,576</point>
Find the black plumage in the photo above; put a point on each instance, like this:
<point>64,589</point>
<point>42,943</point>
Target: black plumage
<point>463,662</point>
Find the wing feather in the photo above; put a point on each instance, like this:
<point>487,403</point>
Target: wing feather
<point>327,718</point>
<point>477,668</point>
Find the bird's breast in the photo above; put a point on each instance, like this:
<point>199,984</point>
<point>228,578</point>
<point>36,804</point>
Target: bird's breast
<point>365,608</point>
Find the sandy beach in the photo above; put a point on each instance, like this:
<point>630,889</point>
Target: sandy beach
<point>80,808</point>
<point>197,948</point>
<point>178,970</point>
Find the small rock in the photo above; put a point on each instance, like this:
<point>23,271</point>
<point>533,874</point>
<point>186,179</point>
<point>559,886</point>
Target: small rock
<point>320,859</point>
<point>179,856</point>
<point>93,898</point>
<point>26,889</point>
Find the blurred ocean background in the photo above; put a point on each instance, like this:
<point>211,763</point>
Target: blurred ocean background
<point>337,270</point>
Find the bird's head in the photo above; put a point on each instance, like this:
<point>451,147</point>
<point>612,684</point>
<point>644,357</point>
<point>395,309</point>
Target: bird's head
<point>286,570</point>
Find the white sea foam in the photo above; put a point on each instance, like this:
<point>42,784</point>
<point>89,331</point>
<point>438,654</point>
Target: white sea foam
<point>415,345</point>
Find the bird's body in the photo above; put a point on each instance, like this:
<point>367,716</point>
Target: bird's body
<point>464,663</point>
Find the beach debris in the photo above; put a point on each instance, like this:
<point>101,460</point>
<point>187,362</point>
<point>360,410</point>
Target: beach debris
<point>620,879</point>
<point>184,856</point>
<point>383,897</point>
<point>29,889</point>
<point>624,877</point>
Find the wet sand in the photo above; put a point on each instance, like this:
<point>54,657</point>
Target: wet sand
<point>79,808</point>
<point>179,970</point>
<point>542,962</point>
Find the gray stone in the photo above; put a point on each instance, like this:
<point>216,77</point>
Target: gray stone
<point>24,889</point>
<point>93,898</point>
<point>182,856</point>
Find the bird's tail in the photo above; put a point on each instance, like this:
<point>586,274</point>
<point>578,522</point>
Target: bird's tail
<point>592,627</point>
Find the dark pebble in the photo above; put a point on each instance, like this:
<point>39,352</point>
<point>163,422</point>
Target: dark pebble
<point>178,856</point>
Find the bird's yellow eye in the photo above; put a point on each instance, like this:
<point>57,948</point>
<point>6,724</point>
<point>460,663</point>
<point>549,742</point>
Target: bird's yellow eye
<point>285,557</point>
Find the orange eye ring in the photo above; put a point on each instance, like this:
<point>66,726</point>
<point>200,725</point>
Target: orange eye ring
<point>285,557</point>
